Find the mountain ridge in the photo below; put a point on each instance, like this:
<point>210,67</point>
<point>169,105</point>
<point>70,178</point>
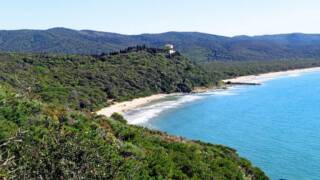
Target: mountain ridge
<point>197,46</point>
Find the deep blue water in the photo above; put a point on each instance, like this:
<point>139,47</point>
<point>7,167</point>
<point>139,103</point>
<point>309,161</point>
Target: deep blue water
<point>276,125</point>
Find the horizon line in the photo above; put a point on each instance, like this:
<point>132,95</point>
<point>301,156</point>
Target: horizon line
<point>153,33</point>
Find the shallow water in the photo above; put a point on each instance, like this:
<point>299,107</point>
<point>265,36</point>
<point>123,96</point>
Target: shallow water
<point>276,125</point>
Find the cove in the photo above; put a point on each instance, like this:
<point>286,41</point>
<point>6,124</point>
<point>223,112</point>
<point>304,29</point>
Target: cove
<point>276,125</point>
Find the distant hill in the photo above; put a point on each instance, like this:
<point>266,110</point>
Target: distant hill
<point>196,46</point>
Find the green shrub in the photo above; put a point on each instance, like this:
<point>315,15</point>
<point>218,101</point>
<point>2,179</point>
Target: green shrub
<point>118,117</point>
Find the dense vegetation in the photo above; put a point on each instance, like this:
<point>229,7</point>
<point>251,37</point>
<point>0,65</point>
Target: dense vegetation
<point>41,141</point>
<point>90,82</point>
<point>196,46</point>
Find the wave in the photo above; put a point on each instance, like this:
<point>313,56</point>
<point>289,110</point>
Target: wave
<point>144,114</point>
<point>294,75</point>
<point>220,93</point>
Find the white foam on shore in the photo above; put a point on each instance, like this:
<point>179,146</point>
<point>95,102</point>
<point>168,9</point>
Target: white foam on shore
<point>220,93</point>
<point>295,75</point>
<point>138,112</point>
<point>144,114</point>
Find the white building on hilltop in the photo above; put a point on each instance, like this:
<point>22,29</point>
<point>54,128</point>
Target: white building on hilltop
<point>169,48</point>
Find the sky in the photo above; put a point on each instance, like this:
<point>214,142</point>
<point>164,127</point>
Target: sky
<point>222,17</point>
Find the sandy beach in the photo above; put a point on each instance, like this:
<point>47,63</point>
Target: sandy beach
<point>123,107</point>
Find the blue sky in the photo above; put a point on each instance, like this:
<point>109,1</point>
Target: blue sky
<point>223,17</point>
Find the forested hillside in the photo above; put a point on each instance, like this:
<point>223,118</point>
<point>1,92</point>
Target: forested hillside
<point>196,46</point>
<point>92,82</point>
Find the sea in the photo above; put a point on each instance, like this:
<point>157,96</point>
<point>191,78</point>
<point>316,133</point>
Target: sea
<point>275,125</point>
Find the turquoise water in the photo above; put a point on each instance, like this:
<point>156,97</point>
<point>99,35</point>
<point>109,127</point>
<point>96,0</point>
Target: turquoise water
<point>276,125</point>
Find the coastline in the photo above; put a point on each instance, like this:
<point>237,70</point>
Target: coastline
<point>123,107</point>
<point>260,78</point>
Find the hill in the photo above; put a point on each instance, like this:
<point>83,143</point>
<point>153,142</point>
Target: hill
<point>92,82</point>
<point>196,46</point>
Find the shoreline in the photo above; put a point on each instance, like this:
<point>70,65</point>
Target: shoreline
<point>123,107</point>
<point>261,78</point>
